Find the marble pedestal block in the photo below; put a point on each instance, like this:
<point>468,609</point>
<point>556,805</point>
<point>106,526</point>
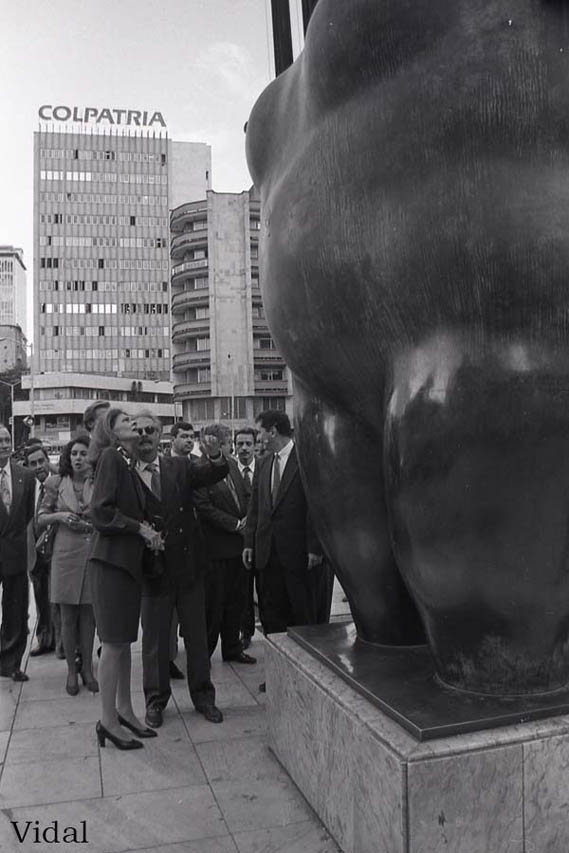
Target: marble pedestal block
<point>378,790</point>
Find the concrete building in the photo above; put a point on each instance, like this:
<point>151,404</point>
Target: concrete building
<point>104,182</point>
<point>12,287</point>
<point>13,356</point>
<point>101,265</point>
<point>225,363</point>
<point>58,400</point>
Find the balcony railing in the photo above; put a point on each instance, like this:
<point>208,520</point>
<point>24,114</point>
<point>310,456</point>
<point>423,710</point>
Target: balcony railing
<point>187,298</point>
<point>267,354</point>
<point>184,360</point>
<point>187,328</point>
<point>271,386</point>
<point>192,389</point>
<point>181,270</point>
<point>185,241</point>
<point>186,212</point>
<point>260,324</point>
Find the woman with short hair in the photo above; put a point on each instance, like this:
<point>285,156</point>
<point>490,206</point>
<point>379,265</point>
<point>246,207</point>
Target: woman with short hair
<point>115,566</point>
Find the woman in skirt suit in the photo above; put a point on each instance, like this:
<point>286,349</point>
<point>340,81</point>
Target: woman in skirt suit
<point>66,504</point>
<point>115,566</point>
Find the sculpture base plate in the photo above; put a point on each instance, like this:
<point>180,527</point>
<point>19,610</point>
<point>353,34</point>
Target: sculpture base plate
<point>401,682</point>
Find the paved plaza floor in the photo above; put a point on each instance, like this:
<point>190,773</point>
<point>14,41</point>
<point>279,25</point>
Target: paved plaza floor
<point>197,787</point>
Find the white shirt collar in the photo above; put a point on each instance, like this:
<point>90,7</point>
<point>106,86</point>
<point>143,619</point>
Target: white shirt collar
<point>285,452</point>
<point>250,466</point>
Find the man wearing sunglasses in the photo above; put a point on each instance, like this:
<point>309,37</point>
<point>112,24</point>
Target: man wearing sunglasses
<point>169,483</point>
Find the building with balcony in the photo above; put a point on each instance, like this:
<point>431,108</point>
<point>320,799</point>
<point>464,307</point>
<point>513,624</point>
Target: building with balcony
<point>225,363</point>
<point>12,287</point>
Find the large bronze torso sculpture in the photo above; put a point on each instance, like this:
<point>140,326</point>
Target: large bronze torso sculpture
<point>413,166</point>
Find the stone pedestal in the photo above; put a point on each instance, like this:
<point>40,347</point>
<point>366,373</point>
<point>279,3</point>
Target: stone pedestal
<point>378,790</point>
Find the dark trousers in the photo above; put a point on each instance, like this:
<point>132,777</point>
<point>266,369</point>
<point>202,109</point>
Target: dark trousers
<point>39,577</point>
<point>286,597</point>
<point>248,614</point>
<point>14,627</point>
<point>224,595</point>
<point>156,618</point>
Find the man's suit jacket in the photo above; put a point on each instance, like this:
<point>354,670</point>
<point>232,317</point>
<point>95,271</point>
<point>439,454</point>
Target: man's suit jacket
<point>184,554</point>
<point>284,527</point>
<point>118,507</point>
<point>219,513</point>
<point>14,525</point>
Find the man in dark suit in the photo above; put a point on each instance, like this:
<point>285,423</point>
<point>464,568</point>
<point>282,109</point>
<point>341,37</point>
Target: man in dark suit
<point>245,439</point>
<point>169,483</point>
<point>278,535</point>
<point>37,461</point>
<point>222,510</point>
<point>17,488</point>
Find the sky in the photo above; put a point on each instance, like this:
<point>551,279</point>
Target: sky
<point>201,63</point>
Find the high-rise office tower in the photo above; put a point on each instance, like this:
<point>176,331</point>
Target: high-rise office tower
<point>101,260</point>
<point>12,287</point>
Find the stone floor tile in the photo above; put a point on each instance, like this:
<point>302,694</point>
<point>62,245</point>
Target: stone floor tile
<point>137,821</point>
<point>228,694</point>
<point>243,722</point>
<point>306,837</point>
<point>83,708</point>
<point>261,804</point>
<point>167,761</point>
<point>50,743</point>
<point>221,844</point>
<point>233,760</point>
<point>49,782</point>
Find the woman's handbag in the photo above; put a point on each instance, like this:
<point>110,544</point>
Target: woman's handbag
<point>44,542</point>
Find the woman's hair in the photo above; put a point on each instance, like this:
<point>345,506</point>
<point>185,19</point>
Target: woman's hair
<point>103,435</point>
<point>65,467</point>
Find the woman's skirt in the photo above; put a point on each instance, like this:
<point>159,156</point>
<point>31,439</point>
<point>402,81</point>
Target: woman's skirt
<point>116,602</point>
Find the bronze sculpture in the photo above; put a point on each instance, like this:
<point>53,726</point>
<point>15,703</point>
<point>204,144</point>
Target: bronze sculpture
<point>413,166</point>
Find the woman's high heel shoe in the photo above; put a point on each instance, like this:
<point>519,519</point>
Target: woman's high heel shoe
<point>121,743</point>
<point>71,686</point>
<point>138,732</point>
<point>90,683</point>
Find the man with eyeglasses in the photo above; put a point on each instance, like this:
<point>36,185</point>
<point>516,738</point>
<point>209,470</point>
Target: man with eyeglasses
<point>169,483</point>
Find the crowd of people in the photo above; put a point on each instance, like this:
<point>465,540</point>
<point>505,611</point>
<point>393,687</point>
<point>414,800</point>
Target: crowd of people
<point>125,534</point>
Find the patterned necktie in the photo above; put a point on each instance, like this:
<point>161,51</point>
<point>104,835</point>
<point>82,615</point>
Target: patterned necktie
<point>41,493</point>
<point>247,477</point>
<point>276,477</point>
<point>155,481</point>
<point>5,493</point>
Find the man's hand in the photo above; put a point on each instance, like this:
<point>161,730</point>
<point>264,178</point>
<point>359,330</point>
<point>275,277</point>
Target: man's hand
<point>210,446</point>
<point>247,558</point>
<point>313,561</point>
<point>152,538</point>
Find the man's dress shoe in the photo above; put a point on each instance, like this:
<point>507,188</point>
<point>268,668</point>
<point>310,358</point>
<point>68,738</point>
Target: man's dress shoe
<point>153,716</point>
<point>242,657</point>
<point>211,713</point>
<point>175,671</point>
<point>18,675</point>
<point>40,649</point>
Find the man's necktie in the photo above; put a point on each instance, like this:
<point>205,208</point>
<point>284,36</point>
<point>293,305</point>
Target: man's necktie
<point>247,477</point>
<point>5,493</point>
<point>155,481</point>
<point>276,477</point>
<point>41,493</point>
